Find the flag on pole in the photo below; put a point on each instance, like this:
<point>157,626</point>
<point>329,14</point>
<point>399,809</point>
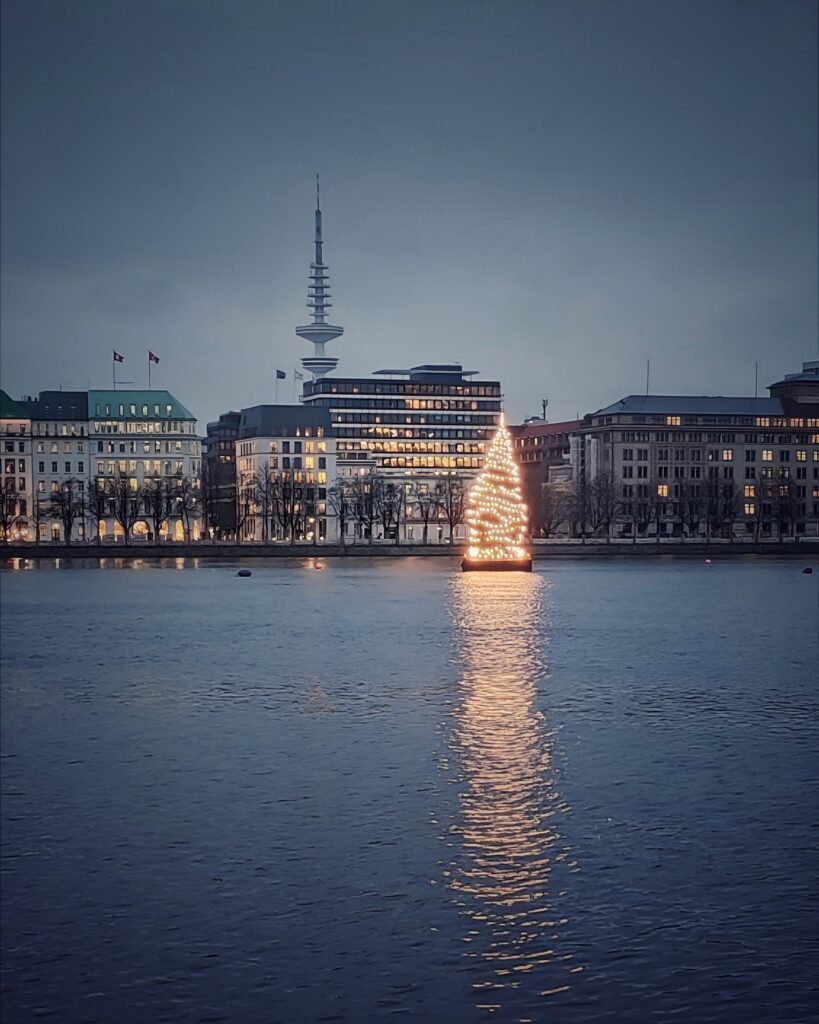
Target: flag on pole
<point>152,358</point>
<point>297,375</point>
<point>280,375</point>
<point>118,358</point>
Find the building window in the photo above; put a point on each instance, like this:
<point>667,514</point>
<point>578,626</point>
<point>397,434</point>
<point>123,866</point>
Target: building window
<point>672,421</point>
<point>53,467</point>
<point>750,508</point>
<point>662,490</point>
<point>750,490</point>
<point>727,454</point>
<point>784,456</point>
<point>767,455</point>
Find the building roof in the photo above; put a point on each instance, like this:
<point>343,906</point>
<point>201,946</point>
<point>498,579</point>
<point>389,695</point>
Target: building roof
<point>282,420</point>
<point>541,429</point>
<point>430,372</point>
<point>11,410</point>
<point>715,405</point>
<point>809,375</point>
<point>58,405</point>
<point>144,402</point>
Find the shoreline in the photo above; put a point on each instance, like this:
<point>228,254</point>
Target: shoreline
<point>805,549</point>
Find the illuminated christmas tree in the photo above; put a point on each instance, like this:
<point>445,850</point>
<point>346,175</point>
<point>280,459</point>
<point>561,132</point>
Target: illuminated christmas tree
<point>496,514</point>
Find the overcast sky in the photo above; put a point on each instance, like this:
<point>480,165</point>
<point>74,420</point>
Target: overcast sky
<point>549,192</point>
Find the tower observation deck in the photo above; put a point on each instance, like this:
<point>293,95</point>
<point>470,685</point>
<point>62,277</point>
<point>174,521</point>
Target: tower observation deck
<point>319,332</point>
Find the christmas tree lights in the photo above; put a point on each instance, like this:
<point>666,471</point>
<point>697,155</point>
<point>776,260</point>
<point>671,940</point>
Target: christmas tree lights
<point>496,515</point>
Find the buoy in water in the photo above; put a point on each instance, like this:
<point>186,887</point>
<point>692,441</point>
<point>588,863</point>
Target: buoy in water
<point>244,572</point>
<point>707,561</point>
<point>807,571</point>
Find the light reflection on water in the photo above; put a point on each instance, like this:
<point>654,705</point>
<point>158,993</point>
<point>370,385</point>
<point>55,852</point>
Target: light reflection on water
<point>506,840</point>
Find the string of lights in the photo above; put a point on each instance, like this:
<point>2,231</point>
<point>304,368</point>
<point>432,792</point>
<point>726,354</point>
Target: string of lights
<point>496,515</point>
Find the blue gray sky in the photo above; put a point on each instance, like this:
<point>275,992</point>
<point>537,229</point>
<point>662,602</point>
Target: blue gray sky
<point>549,192</point>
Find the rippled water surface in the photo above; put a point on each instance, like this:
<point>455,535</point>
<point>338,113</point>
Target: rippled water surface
<point>392,790</point>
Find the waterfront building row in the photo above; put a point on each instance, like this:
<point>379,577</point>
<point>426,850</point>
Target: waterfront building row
<point>691,466</point>
<point>85,464</point>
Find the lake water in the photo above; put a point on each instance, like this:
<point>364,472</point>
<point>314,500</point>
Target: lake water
<point>390,790</point>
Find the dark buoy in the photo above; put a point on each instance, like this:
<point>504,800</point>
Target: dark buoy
<point>807,571</point>
<point>244,572</point>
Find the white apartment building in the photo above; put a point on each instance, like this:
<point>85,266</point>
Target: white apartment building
<point>148,438</point>
<point>15,483</point>
<point>61,465</point>
<point>285,465</point>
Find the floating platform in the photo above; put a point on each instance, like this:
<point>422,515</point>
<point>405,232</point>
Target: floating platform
<point>496,565</point>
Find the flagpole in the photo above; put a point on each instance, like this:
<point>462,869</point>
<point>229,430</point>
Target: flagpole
<point>277,389</point>
<point>113,371</point>
<point>149,371</point>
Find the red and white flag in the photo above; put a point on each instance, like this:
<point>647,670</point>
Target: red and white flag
<point>152,358</point>
<point>118,358</point>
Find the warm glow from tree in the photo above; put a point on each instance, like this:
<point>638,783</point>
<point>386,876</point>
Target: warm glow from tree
<point>496,514</point>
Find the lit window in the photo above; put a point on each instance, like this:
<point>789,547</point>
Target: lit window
<point>750,508</point>
<point>727,455</point>
<point>662,490</point>
<point>801,456</point>
<point>672,421</point>
<point>767,455</point>
<point>750,490</point>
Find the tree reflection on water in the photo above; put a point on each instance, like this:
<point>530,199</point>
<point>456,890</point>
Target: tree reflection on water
<point>506,840</point>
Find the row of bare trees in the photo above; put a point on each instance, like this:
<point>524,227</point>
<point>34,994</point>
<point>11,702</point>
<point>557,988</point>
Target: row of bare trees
<point>157,501</point>
<point>372,500</point>
<point>282,505</point>
<point>708,508</point>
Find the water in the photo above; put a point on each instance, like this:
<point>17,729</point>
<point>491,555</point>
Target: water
<point>392,790</point>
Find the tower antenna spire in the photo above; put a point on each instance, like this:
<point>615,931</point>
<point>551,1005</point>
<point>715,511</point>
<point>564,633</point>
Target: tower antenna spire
<point>319,332</point>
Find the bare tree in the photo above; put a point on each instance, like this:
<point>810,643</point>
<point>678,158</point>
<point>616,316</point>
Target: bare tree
<point>729,506</point>
<point>339,499</point>
<point>158,499</point>
<point>10,506</point>
<point>390,504</point>
<point>712,505</point>
<point>764,497</point>
<point>630,510</point>
<point>555,508</point>
<point>450,495</point>
<point>692,506</point>
<point>785,503</point>
<point>39,514</point>
<point>187,503</point>
<point>67,506</point>
<point>97,504</point>
<point>287,497</point>
<point>246,498</point>
<point>363,503</point>
<point>424,502</point>
<point>126,503</point>
<point>265,485</point>
<point>602,503</point>
<point>207,491</point>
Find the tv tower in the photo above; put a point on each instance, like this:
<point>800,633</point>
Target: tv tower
<point>319,332</point>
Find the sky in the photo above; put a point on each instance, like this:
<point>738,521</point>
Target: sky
<point>551,192</point>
